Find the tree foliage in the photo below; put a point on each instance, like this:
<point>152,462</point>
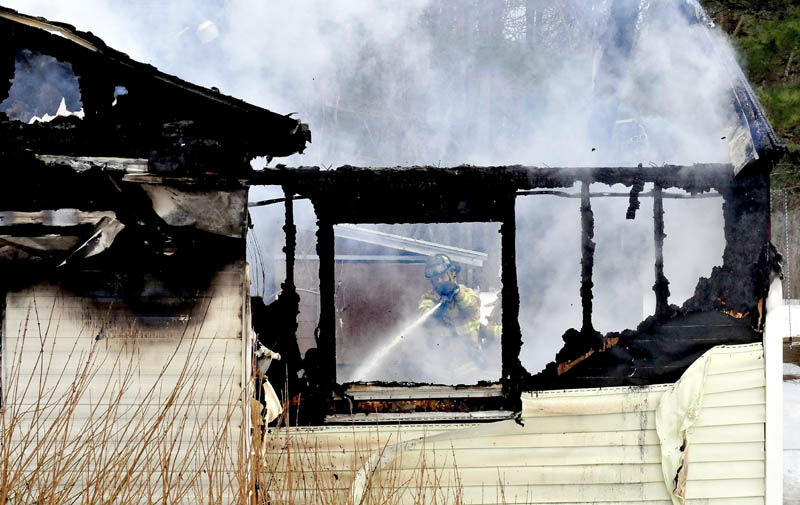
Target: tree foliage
<point>767,36</point>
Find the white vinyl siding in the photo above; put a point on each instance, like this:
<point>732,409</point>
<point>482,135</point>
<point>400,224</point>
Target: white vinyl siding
<point>112,393</point>
<point>578,446</point>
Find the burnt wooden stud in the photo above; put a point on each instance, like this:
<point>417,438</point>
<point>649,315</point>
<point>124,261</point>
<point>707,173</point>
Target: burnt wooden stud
<point>661,286</point>
<point>327,287</point>
<point>290,247</point>
<point>511,339</point>
<point>587,258</point>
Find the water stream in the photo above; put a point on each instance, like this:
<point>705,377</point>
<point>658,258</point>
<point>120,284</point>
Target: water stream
<point>377,357</point>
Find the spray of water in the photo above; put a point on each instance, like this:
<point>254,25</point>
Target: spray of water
<point>377,357</point>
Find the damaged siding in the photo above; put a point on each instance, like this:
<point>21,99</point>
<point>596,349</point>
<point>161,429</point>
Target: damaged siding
<point>577,446</point>
<point>94,382</point>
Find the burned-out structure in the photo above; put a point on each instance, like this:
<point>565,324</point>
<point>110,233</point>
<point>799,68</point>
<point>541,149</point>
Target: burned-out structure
<point>725,309</point>
<point>125,288</point>
<point>123,232</point>
<point>670,407</point>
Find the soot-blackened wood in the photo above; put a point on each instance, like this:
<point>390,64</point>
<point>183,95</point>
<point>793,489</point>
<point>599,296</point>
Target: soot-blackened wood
<point>587,258</point>
<point>289,249</point>
<point>346,182</point>
<point>633,199</point>
<point>743,278</point>
<point>511,339</point>
<point>289,303</point>
<point>326,341</point>
<point>661,286</point>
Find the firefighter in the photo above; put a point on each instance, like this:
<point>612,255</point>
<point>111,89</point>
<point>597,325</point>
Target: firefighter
<point>460,310</point>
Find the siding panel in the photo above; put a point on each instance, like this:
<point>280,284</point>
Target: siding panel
<point>91,402</point>
<point>578,446</point>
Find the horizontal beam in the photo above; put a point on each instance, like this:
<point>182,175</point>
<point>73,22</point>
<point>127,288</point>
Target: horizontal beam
<point>649,194</point>
<point>312,180</point>
<point>84,163</point>
<point>401,243</point>
<point>59,217</point>
<point>272,201</point>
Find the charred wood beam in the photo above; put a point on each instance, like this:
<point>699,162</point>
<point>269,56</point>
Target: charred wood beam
<point>633,199</point>
<point>287,306</point>
<point>461,194</point>
<point>587,258</point>
<point>511,338</point>
<point>326,331</point>
<point>610,194</point>
<point>312,180</point>
<point>290,248</point>
<point>272,201</point>
<point>661,286</point>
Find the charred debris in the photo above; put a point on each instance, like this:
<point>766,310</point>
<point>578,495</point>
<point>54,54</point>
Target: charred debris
<point>130,186</point>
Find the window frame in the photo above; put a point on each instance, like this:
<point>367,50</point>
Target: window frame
<point>353,195</point>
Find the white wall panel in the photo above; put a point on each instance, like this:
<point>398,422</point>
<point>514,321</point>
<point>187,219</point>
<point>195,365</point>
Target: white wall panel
<point>577,446</point>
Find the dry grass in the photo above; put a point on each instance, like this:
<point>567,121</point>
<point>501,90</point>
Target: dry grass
<point>87,428</point>
<point>82,428</point>
<point>365,466</point>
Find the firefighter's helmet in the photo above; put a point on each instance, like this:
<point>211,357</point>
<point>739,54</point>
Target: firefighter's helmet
<point>439,264</point>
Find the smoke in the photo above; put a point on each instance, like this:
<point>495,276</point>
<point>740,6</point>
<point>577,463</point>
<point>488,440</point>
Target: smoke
<point>418,82</point>
<point>548,262</point>
<point>555,82</point>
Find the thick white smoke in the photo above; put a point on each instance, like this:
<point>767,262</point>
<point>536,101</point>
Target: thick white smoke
<point>418,82</point>
<point>422,82</point>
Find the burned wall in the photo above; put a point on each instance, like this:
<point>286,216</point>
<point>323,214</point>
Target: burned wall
<point>656,351</point>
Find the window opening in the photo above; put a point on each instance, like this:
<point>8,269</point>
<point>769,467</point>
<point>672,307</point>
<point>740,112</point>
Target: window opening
<point>548,255</point>
<point>625,264</point>
<point>119,91</point>
<point>695,240</point>
<point>411,309</point>
<point>42,89</point>
<point>285,290</point>
<point>623,275</point>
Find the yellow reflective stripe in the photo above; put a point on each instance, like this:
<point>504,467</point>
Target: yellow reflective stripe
<point>469,327</point>
<point>427,302</point>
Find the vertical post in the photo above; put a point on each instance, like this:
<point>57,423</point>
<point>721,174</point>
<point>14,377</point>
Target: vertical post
<point>511,339</point>
<point>288,302</point>
<point>661,286</point>
<point>327,315</point>
<point>289,249</point>
<point>587,258</point>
